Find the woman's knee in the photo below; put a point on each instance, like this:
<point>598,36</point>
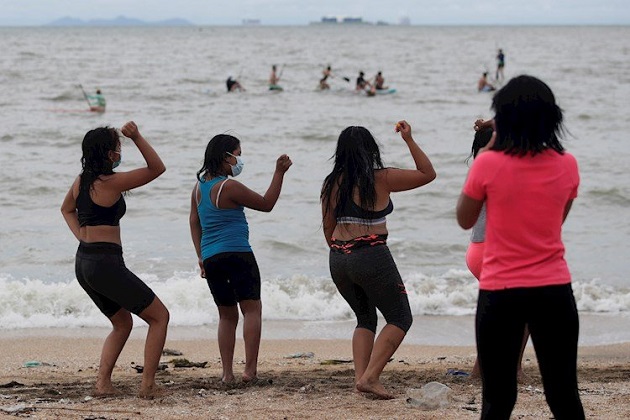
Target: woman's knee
<point>122,321</point>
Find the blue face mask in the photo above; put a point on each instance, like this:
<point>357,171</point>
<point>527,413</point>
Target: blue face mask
<point>116,163</point>
<point>238,168</point>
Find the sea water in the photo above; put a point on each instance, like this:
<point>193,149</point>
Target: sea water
<point>171,81</point>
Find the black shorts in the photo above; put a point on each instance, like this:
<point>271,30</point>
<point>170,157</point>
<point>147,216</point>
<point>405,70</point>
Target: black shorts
<point>101,272</point>
<point>232,277</point>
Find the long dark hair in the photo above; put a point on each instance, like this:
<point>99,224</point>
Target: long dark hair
<point>356,158</point>
<point>527,118</point>
<point>482,138</point>
<point>218,147</point>
<point>95,161</point>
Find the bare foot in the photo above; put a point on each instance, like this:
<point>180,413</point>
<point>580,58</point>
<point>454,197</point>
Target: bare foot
<point>249,378</point>
<point>228,379</point>
<point>105,391</point>
<point>152,392</point>
<point>375,388</point>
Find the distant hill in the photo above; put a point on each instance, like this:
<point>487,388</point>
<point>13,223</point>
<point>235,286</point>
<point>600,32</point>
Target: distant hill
<point>119,21</point>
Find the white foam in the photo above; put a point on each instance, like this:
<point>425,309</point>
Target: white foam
<point>31,303</point>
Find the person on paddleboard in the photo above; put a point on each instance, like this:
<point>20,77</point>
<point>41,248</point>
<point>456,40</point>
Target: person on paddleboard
<point>233,85</point>
<point>97,101</point>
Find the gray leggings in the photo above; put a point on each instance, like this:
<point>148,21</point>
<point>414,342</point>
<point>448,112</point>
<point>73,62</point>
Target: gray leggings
<point>368,279</point>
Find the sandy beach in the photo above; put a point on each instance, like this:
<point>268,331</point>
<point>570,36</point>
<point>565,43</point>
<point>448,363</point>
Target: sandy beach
<point>293,383</point>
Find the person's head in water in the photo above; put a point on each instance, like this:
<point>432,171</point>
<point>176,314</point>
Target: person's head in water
<point>98,91</point>
<point>101,149</point>
<point>356,157</point>
<point>219,156</point>
<point>527,118</point>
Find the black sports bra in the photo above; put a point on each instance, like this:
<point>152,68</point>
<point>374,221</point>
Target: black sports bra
<point>91,214</point>
<point>355,214</point>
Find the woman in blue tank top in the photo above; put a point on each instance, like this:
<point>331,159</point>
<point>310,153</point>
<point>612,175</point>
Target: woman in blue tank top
<point>221,237</point>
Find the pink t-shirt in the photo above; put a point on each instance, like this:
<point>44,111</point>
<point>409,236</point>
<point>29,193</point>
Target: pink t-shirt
<point>525,201</point>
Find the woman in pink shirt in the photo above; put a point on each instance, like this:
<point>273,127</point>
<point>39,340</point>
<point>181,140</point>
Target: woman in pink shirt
<point>528,183</point>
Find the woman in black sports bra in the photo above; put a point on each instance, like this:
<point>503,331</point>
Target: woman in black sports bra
<point>93,208</point>
<point>355,201</point>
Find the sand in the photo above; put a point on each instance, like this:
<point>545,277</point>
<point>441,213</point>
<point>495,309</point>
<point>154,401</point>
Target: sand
<point>289,387</point>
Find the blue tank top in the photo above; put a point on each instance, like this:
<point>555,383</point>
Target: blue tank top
<point>222,230</point>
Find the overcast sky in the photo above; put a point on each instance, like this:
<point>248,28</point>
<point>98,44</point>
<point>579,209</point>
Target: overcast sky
<point>298,12</point>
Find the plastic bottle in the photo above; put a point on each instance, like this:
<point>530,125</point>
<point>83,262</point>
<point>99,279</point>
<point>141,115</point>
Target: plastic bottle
<point>432,396</point>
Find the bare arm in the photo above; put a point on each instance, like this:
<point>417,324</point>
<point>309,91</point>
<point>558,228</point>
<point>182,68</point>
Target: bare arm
<point>468,210</point>
<point>125,181</point>
<point>567,209</point>
<point>329,223</point>
<point>195,228</point>
<point>69,210</point>
<point>407,179</point>
<point>239,194</point>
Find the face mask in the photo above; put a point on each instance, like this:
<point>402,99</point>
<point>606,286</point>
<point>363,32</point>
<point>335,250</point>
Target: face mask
<point>238,168</point>
<point>116,163</point>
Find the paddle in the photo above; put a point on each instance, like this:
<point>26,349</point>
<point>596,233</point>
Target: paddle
<point>85,96</point>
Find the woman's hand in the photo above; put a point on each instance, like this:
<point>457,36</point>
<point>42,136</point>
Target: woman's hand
<point>283,164</point>
<point>404,129</point>
<point>130,130</point>
<point>481,124</point>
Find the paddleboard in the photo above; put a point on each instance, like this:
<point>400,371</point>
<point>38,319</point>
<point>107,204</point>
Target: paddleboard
<point>385,91</point>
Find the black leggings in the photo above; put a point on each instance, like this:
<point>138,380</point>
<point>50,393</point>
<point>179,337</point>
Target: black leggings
<point>368,279</point>
<point>551,315</point>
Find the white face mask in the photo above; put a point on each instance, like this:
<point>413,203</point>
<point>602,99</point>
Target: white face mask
<point>238,168</point>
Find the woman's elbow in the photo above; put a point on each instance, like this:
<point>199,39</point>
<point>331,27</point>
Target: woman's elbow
<point>464,221</point>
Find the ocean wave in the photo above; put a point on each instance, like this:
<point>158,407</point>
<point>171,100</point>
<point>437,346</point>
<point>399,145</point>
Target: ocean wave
<point>613,195</point>
<point>31,303</point>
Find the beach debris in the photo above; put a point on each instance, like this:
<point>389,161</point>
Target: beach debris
<point>17,409</point>
<point>36,363</point>
<point>306,388</point>
<point>301,355</point>
<point>171,352</point>
<point>457,372</point>
<point>431,396</point>
<point>335,361</point>
<point>140,368</point>
<point>185,363</point>
<point>12,384</point>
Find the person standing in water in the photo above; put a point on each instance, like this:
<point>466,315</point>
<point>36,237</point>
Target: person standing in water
<point>92,209</point>
<point>500,65</point>
<point>355,200</point>
<point>274,79</point>
<point>220,235</point>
